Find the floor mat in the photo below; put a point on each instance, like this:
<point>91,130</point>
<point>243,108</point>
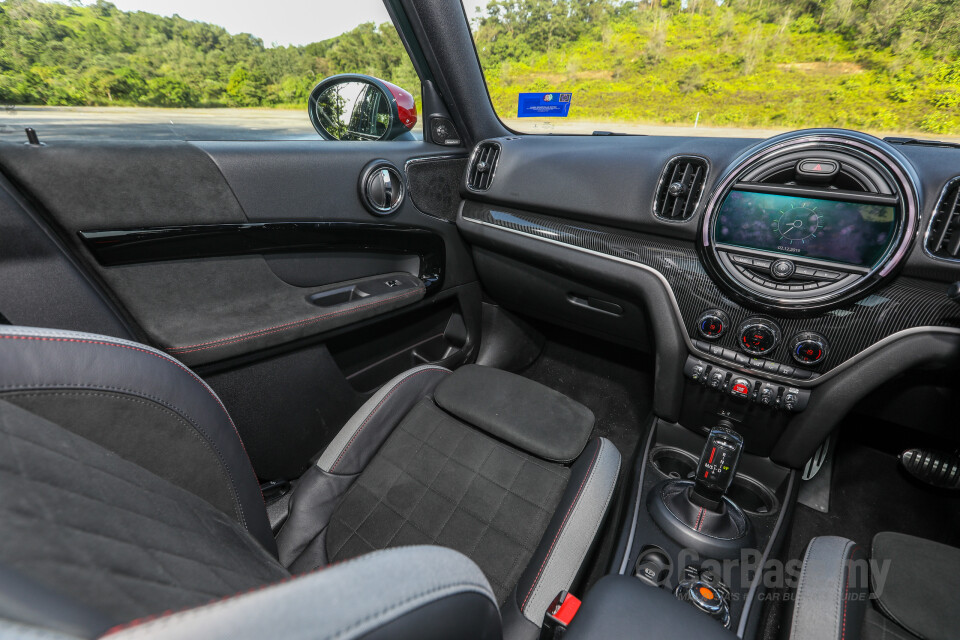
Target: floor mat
<point>870,494</point>
<point>600,376</point>
<point>616,383</point>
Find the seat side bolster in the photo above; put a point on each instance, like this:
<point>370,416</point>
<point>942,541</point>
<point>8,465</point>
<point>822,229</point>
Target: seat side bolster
<point>50,359</point>
<point>373,594</point>
<point>833,591</point>
<point>571,531</point>
<point>359,439</point>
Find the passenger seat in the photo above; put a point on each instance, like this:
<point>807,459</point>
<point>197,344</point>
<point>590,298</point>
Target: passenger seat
<point>451,505</point>
<point>904,591</point>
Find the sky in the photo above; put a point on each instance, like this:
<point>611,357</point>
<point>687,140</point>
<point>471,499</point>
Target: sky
<point>280,22</point>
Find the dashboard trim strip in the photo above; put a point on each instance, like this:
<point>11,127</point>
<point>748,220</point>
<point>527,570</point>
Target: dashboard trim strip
<point>836,370</point>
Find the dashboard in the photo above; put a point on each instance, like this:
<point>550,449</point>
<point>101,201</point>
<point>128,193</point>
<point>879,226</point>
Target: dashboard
<point>785,262</point>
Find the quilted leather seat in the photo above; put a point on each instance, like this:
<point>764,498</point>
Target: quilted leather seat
<point>451,505</point>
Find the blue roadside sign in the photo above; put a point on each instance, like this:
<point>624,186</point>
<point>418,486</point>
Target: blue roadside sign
<point>555,104</point>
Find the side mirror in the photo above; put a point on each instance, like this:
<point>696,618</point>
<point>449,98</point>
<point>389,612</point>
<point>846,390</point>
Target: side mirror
<point>357,107</point>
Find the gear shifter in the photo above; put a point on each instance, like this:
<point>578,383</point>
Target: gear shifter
<point>697,512</point>
<point>717,467</point>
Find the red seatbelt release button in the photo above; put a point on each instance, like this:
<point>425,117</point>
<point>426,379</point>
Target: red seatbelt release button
<point>562,610</point>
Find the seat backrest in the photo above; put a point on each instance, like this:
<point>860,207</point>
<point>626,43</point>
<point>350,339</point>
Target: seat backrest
<point>141,404</point>
<point>94,544</point>
<point>113,540</point>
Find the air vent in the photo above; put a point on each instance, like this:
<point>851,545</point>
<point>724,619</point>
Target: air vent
<point>680,187</point>
<point>483,165</point>
<point>943,239</point>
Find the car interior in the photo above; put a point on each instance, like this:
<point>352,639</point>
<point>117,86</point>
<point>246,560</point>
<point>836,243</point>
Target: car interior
<point>482,384</point>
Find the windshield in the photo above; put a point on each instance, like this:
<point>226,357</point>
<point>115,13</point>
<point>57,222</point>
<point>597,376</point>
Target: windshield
<point>720,67</point>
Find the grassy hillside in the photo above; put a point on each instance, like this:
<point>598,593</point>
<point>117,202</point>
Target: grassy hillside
<point>734,69</point>
<point>883,65</point>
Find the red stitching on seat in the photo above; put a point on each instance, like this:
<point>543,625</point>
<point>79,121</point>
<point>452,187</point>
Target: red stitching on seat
<point>375,409</point>
<point>282,327</point>
<point>562,524</point>
<point>170,612</point>
<point>846,589</point>
<point>155,355</point>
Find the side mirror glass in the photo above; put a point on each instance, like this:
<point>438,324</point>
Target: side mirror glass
<point>357,107</point>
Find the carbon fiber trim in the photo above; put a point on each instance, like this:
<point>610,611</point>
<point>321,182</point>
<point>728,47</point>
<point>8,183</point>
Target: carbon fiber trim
<point>904,304</point>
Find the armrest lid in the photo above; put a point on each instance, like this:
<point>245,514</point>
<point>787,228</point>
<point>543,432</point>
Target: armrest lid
<point>621,607</point>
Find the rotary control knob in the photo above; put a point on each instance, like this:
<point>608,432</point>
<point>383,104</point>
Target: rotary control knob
<point>809,348</point>
<point>758,336</point>
<point>712,324</point>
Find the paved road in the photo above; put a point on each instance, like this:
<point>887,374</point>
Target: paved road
<point>61,123</point>
<point>133,123</point>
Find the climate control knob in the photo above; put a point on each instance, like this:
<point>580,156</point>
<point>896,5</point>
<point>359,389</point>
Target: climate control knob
<point>758,336</point>
<point>712,324</point>
<point>809,348</point>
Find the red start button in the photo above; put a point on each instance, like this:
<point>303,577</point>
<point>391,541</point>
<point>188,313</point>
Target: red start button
<point>740,387</point>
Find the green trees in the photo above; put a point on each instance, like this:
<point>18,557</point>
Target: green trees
<point>868,64</point>
<point>60,54</point>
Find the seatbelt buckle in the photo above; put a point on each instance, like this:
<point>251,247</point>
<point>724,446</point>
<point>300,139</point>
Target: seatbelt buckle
<point>560,614</point>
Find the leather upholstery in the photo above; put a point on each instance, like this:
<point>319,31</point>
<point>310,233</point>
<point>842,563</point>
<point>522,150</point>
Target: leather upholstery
<point>833,591</point>
<point>86,381</point>
<point>571,531</point>
<point>623,608</point>
<point>910,584</point>
<point>376,595</point>
<point>301,540</point>
<point>126,490</point>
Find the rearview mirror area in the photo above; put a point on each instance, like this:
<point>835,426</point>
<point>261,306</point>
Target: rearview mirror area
<point>352,107</point>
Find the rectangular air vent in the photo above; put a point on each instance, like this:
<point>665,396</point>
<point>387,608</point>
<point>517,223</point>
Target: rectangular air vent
<point>483,164</point>
<point>943,240</point>
<point>680,187</point>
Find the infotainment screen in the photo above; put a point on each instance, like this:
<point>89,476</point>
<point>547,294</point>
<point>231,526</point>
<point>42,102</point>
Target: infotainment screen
<point>849,232</point>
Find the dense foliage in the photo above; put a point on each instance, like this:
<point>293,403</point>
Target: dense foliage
<point>867,64</point>
<point>60,54</point>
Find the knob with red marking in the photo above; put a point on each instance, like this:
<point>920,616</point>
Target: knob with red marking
<point>809,348</point>
<point>758,336</point>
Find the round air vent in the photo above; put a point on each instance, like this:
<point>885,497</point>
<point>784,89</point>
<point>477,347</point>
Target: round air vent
<point>808,220</point>
<point>381,187</point>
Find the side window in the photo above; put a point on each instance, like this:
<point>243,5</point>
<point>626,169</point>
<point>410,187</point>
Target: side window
<point>217,71</point>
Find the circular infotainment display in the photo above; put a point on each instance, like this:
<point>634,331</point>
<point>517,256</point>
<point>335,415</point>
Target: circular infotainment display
<point>779,236</point>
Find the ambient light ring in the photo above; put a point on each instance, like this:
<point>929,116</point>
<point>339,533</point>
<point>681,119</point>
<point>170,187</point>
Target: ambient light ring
<point>897,173</point>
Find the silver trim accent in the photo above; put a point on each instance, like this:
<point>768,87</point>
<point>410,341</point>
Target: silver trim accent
<point>636,505</point>
<point>703,190</point>
<point>383,167</point>
<point>752,592</point>
<point>933,218</point>
<point>473,156</point>
<point>419,159</point>
<point>908,194</point>
<point>813,382</point>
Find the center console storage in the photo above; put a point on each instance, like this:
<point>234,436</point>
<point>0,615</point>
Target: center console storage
<point>622,607</point>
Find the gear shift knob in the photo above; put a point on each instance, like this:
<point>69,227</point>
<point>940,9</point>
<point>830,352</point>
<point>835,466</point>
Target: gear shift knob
<point>717,467</point>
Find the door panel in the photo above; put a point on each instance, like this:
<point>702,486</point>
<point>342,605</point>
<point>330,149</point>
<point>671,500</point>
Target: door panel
<point>248,258</point>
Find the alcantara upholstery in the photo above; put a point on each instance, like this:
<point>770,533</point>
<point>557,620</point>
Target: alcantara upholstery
<point>128,506</point>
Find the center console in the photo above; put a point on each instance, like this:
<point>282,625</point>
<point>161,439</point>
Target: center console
<point>707,518</point>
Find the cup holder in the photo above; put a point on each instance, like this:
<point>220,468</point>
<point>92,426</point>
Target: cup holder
<point>673,463</point>
<point>745,492</point>
<point>752,497</point>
